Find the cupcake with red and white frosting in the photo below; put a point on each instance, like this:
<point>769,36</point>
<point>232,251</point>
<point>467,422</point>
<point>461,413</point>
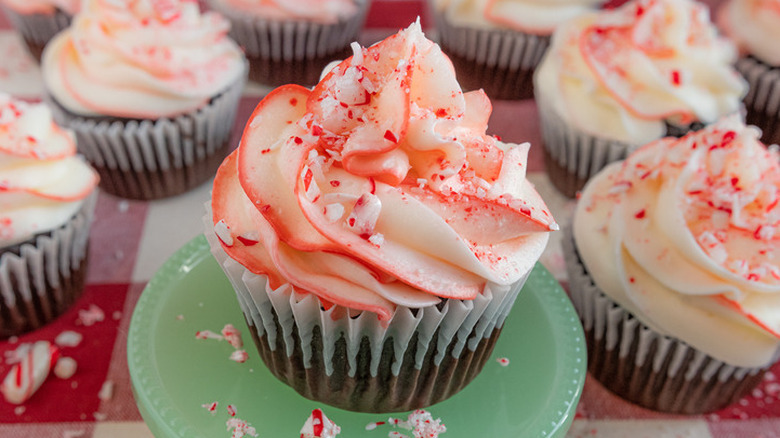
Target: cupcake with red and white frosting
<point>375,235</point>
<point>753,26</point>
<point>39,20</point>
<point>151,89</point>
<point>673,269</point>
<point>496,44</point>
<point>617,79</point>
<point>291,41</point>
<point>46,204</point>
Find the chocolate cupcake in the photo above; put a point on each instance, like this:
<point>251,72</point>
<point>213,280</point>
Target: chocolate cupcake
<point>496,45</point>
<point>291,41</point>
<point>39,20</point>
<point>46,207</point>
<point>375,236</point>
<point>752,25</point>
<point>151,91</point>
<point>620,78</point>
<point>673,269</point>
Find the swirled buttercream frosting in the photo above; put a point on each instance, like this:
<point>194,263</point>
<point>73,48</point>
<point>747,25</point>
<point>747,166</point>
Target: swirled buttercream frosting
<point>624,73</point>
<point>42,6</point>
<point>319,11</point>
<point>42,181</point>
<point>379,187</point>
<point>530,16</point>
<point>141,59</point>
<point>752,25</point>
<point>684,235</point>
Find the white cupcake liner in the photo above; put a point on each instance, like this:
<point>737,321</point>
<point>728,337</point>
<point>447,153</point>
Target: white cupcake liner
<point>460,323</point>
<point>32,281</point>
<point>155,145</point>
<point>500,48</point>
<point>763,97</point>
<point>636,362</point>
<point>38,28</point>
<point>291,40</point>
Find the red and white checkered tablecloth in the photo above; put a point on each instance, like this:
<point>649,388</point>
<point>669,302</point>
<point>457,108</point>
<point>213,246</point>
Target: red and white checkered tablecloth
<point>130,240</point>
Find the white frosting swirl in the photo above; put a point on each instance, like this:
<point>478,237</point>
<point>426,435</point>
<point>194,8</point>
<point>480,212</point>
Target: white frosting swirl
<point>70,7</point>
<point>42,182</point>
<point>141,59</point>
<point>683,234</point>
<point>622,73</point>
<point>530,16</point>
<point>753,25</point>
<point>380,187</point>
<point>318,11</point>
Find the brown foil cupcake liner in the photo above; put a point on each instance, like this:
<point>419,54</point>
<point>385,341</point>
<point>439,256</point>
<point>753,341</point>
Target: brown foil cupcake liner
<point>499,61</point>
<point>421,357</point>
<point>762,102</point>
<point>152,159</point>
<point>643,366</point>
<point>282,52</point>
<point>43,276</point>
<point>37,29</point>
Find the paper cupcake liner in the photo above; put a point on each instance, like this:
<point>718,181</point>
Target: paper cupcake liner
<point>499,61</point>
<point>643,366</point>
<point>151,159</point>
<point>281,52</point>
<point>37,29</point>
<point>43,276</point>
<point>763,99</point>
<point>421,357</point>
<point>572,156</point>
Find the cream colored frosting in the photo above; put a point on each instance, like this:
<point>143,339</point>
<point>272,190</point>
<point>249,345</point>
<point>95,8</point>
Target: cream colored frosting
<point>753,25</point>
<point>141,59</point>
<point>319,11</point>
<point>531,16</point>
<point>70,7</point>
<point>622,73</point>
<point>683,234</point>
<point>42,182</point>
<point>380,187</point>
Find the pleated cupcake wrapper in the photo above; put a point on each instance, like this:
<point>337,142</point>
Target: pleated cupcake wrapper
<point>461,323</point>
<point>38,271</point>
<point>38,28</point>
<point>640,364</point>
<point>291,40</point>
<point>763,98</point>
<point>156,145</point>
<point>500,48</point>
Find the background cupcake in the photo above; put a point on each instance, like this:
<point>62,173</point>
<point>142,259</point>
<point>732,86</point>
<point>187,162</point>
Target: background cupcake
<point>46,203</point>
<point>39,20</point>
<point>496,44</point>
<point>753,26</point>
<point>151,90</point>
<point>375,236</point>
<point>617,79</point>
<point>673,269</point>
<point>291,41</point>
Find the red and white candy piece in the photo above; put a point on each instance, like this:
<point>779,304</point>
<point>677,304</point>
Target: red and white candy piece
<point>28,375</point>
<point>233,336</point>
<point>319,426</point>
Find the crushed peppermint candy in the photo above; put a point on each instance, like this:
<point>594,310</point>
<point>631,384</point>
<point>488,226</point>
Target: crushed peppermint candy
<point>65,368</point>
<point>420,422</point>
<point>503,361</point>
<point>318,425</point>
<point>240,428</point>
<point>106,392</point>
<point>222,230</point>
<point>89,317</point>
<point>231,410</point>
<point>68,338</point>
<point>233,336</point>
<point>239,356</point>
<point>208,334</point>
<point>211,407</point>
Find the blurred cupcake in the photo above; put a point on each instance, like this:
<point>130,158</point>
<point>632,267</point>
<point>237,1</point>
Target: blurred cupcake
<point>496,44</point>
<point>375,236</point>
<point>617,79</point>
<point>673,269</point>
<point>46,203</point>
<point>291,41</point>
<point>151,90</point>
<point>39,20</point>
<point>754,25</point>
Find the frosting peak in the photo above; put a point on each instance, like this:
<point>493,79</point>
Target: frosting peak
<point>384,176</point>
<point>141,59</point>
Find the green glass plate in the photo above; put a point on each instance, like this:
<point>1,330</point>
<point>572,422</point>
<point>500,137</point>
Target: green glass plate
<point>174,374</point>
